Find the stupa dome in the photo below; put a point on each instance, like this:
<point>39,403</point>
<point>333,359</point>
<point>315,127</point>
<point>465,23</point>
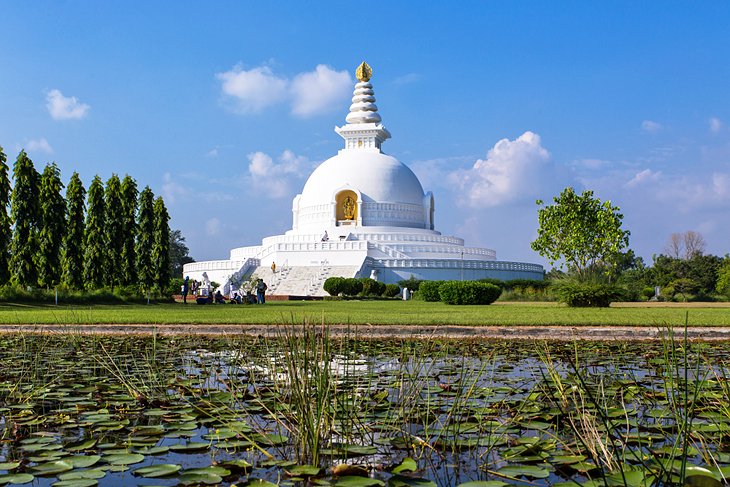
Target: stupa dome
<point>382,190</point>
<point>378,177</point>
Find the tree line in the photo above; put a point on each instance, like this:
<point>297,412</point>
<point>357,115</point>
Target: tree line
<point>586,235</point>
<point>111,236</point>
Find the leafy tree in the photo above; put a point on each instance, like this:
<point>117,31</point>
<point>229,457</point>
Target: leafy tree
<point>128,264</point>
<point>161,245</point>
<point>723,278</point>
<point>94,237</point>
<point>53,225</point>
<point>179,253</point>
<point>113,230</point>
<point>73,249</point>
<point>581,230</point>
<point>5,231</point>
<point>145,235</point>
<point>25,213</point>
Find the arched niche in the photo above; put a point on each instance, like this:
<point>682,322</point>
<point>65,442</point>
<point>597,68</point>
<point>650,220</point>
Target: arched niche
<point>346,207</point>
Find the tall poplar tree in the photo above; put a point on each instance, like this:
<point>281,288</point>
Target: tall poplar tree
<point>128,265</point>
<point>145,239</point>
<point>161,245</point>
<point>94,237</point>
<point>73,246</point>
<point>53,224</point>
<point>25,213</point>
<point>113,231</point>
<point>5,231</point>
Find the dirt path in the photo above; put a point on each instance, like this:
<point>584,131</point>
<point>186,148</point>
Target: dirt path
<point>385,331</point>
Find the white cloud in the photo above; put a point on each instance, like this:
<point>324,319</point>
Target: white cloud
<point>651,126</point>
<point>252,90</point>
<point>271,177</point>
<point>39,145</point>
<point>513,170</point>
<point>319,91</point>
<point>310,93</point>
<point>171,189</point>
<point>647,175</point>
<point>212,153</point>
<point>716,125</point>
<point>63,108</point>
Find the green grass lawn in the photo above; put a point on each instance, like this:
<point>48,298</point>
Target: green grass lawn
<point>366,312</point>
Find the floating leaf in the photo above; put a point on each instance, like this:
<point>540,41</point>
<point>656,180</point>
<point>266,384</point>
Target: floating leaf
<point>82,461</point>
<point>96,473</point>
<point>16,478</point>
<point>155,471</point>
<point>9,465</point>
<point>406,465</point>
<point>123,458</point>
<point>155,450</point>
<point>52,468</point>
<point>237,465</point>
<point>199,478</point>
<point>357,481</point>
<point>403,481</point>
<point>303,471</point>
<point>529,471</point>
<point>84,445</point>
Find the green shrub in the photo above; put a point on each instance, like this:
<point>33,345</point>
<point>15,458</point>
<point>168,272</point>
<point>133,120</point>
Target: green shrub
<point>429,290</point>
<point>371,287</point>
<point>334,285</point>
<point>587,294</point>
<point>411,283</point>
<point>351,286</point>
<point>175,287</point>
<point>647,293</point>
<point>391,290</point>
<point>490,280</point>
<point>469,292</point>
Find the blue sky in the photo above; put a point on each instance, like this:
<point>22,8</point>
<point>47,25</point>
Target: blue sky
<point>225,109</point>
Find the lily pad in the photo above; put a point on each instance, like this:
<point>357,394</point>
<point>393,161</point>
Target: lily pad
<point>16,478</point>
<point>95,473</point>
<point>406,465</point>
<point>199,478</point>
<point>82,461</point>
<point>303,471</point>
<point>123,458</point>
<point>357,481</point>
<point>155,471</point>
<point>52,468</point>
<point>529,471</point>
<point>9,465</point>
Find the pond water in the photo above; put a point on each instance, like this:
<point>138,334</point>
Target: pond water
<point>309,409</point>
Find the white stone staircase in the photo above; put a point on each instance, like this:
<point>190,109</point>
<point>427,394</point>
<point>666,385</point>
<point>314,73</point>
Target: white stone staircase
<point>302,280</point>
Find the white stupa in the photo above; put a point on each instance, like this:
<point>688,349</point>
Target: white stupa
<point>362,213</point>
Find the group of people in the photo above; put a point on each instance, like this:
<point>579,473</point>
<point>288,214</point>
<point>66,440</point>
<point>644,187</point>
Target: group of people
<point>194,287</point>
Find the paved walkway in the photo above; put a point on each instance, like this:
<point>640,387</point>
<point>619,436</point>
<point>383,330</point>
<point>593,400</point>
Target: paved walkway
<point>385,331</point>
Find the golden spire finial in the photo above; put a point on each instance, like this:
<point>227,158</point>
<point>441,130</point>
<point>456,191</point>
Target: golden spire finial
<point>364,72</point>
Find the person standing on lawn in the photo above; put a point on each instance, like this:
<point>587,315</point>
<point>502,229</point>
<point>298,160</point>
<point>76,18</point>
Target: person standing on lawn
<point>261,288</point>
